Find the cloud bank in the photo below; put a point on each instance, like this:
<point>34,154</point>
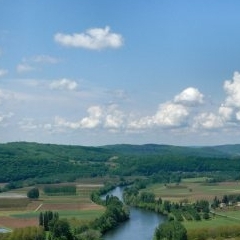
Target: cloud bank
<point>60,111</point>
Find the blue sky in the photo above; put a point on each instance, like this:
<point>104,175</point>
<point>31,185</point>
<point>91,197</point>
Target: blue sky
<point>103,72</point>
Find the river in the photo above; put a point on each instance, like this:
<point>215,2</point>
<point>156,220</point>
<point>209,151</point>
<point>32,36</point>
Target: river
<point>140,226</point>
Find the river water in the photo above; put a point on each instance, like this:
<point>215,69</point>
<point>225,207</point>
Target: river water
<point>140,226</point>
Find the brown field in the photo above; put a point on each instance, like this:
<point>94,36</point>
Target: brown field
<point>12,223</point>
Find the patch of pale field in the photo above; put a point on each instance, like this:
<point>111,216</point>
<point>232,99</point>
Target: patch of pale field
<point>12,195</point>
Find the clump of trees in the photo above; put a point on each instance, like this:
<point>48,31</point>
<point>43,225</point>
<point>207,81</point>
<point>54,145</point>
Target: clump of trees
<point>116,212</point>
<point>55,190</point>
<point>172,230</point>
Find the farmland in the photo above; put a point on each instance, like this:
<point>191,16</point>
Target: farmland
<point>18,211</point>
<point>194,190</point>
<point>190,190</point>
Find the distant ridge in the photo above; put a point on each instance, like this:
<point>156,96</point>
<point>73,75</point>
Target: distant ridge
<point>150,149</point>
<point>227,150</point>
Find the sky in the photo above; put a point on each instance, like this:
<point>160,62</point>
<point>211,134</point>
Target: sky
<point>92,73</point>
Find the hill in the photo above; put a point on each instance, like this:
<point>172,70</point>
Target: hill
<point>222,151</point>
<point>52,163</point>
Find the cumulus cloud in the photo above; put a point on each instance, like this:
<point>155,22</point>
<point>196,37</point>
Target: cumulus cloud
<point>91,121</point>
<point>64,84</point>
<point>225,112</point>
<point>208,121</point>
<point>94,39</point>
<point>232,88</point>
<point>3,72</point>
<point>109,117</point>
<point>168,115</point>
<point>172,114</point>
<point>189,96</point>
<point>94,118</point>
<point>114,118</point>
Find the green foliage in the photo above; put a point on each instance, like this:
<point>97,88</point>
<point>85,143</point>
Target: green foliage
<point>172,230</point>
<point>48,219</point>
<point>61,230</point>
<point>33,193</point>
<point>51,163</point>
<point>55,190</point>
<point>116,212</point>
<point>48,160</point>
<point>27,233</point>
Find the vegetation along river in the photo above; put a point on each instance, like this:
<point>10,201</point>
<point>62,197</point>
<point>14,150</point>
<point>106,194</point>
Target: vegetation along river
<point>141,225</point>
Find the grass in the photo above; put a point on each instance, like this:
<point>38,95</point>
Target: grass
<point>213,223</point>
<point>80,214</point>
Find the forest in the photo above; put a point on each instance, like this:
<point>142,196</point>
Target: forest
<point>36,163</point>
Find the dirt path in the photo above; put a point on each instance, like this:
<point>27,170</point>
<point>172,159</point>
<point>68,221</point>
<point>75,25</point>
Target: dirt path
<point>38,207</point>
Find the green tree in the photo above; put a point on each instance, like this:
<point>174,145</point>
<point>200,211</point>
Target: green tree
<point>61,230</point>
<point>41,220</point>
<point>33,193</point>
<point>173,230</point>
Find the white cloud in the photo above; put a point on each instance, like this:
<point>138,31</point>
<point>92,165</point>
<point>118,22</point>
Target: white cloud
<point>114,117</point>
<point>232,88</point>
<point>24,68</point>
<point>189,96</point>
<point>168,115</point>
<point>108,117</point>
<point>64,84</point>
<point>225,113</point>
<point>94,118</point>
<point>91,121</point>
<point>94,39</point>
<point>238,116</point>
<point>208,121</point>
<point>3,72</point>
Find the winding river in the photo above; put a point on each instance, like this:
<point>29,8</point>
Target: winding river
<point>140,226</point>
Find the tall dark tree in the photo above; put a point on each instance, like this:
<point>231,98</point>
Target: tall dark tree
<point>41,220</point>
